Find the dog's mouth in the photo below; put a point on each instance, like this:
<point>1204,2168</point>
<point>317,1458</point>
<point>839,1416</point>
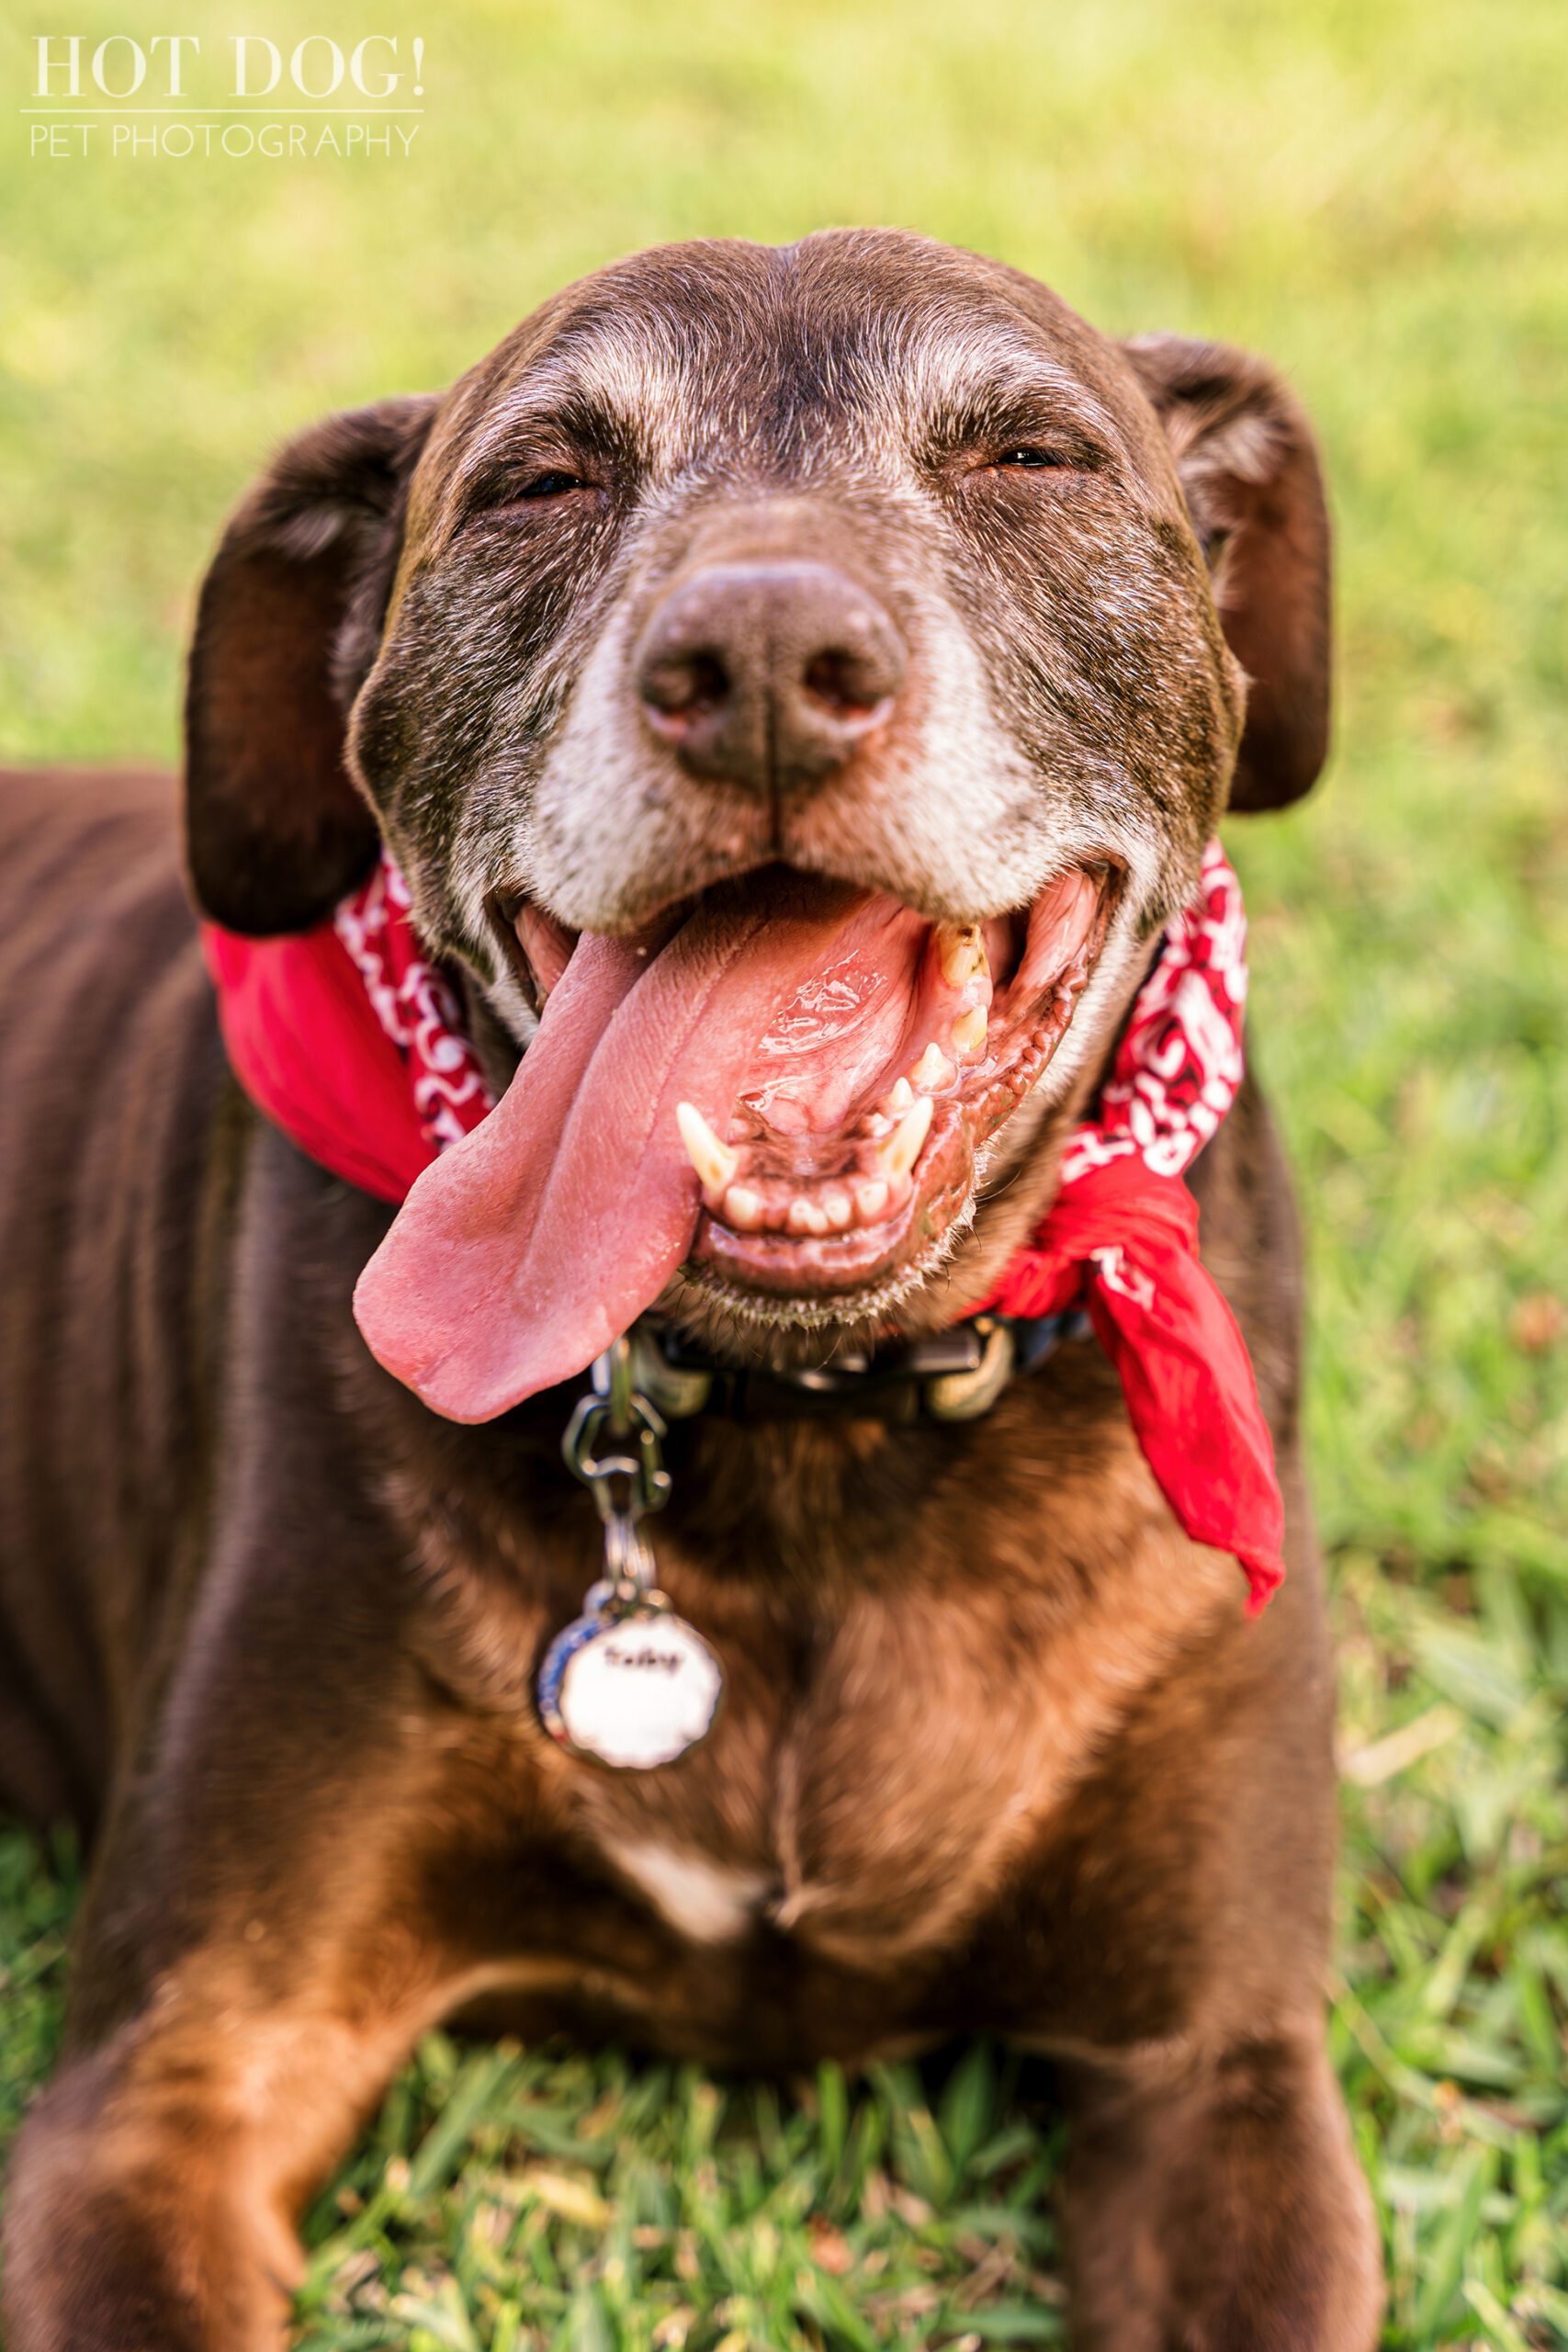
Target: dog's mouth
<point>852,1143</point>
<point>789,1085</point>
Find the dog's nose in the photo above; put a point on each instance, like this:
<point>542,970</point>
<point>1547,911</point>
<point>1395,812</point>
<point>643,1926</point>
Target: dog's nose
<point>768,673</point>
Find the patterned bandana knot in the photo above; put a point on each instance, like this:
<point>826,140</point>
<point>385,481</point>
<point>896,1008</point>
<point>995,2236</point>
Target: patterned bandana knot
<point>1121,1239</point>
<point>351,1040</point>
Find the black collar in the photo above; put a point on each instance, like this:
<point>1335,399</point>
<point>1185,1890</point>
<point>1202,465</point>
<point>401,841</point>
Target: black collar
<point>955,1376</point>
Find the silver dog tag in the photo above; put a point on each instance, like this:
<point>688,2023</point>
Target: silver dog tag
<point>630,1683</point>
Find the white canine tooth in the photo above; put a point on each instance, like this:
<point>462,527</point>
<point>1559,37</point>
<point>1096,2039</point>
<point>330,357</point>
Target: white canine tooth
<point>871,1199</point>
<point>962,951</point>
<point>805,1216</point>
<point>933,1072</point>
<point>903,1094</point>
<point>743,1208</point>
<point>838,1208</point>
<point>901,1150</point>
<point>969,1030</point>
<point>716,1164</point>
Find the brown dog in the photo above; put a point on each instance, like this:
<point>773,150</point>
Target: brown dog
<point>736,584</point>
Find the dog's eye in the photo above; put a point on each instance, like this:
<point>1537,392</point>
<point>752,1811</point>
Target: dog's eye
<point>1031,457</point>
<point>554,485</point>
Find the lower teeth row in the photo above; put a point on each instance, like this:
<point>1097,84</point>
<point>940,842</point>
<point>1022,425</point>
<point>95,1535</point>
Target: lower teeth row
<point>840,1205</point>
<point>878,1192</point>
<point>832,1208</point>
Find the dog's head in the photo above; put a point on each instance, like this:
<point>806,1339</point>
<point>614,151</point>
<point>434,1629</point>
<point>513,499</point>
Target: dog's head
<point>797,685</point>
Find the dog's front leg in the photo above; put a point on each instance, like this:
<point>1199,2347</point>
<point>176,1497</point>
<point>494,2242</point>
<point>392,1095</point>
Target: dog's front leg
<point>1214,2205</point>
<point>155,2185</point>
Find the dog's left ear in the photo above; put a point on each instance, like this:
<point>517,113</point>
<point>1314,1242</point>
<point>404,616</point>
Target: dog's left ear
<point>290,611</point>
<point>1247,464</point>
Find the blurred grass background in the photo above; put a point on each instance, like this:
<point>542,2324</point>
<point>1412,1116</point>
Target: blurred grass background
<point>1372,192</point>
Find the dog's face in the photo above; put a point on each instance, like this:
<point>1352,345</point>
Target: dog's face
<point>836,629</point>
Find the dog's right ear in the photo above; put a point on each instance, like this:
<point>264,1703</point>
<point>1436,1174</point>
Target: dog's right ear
<point>277,830</point>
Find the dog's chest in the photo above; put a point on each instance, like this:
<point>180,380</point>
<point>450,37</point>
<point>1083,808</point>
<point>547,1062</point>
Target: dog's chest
<point>849,1805</point>
<point>871,1804</point>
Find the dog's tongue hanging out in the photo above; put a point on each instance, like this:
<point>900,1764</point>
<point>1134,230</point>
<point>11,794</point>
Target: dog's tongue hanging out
<point>522,1251</point>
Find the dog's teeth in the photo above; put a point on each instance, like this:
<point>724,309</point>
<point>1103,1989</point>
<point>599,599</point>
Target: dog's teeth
<point>901,1150</point>
<point>962,951</point>
<point>743,1208</point>
<point>838,1208</point>
<point>933,1072</point>
<point>871,1199</point>
<point>716,1164</point>
<point>903,1094</point>
<point>805,1216</point>
<point>969,1030</point>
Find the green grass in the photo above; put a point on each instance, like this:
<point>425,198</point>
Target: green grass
<point>1373,191</point>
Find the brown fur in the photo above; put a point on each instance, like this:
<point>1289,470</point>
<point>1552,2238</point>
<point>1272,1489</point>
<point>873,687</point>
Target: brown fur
<point>1001,1749</point>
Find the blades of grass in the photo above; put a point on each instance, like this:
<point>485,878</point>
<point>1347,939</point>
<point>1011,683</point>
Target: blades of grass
<point>587,2325</point>
<point>1010,2145</point>
<point>569,2201</point>
<point>538,2256</point>
<point>503,2333</point>
<point>770,2129</point>
<point>658,2203</point>
<point>1541,2301</point>
<point>446,2323</point>
<point>922,2158</point>
<point>967,2105</point>
<point>1023,2228</point>
<point>1410,2084</point>
<point>473,2087</point>
<point>555,2131</point>
<point>704,2104</point>
<point>1499,2327</point>
<point>1536,2023</point>
<point>1024,2193</point>
<point>822,2298</point>
<point>1473,1672</point>
<point>832,2115</point>
<point>35,1910</point>
<point>648,2096</point>
<point>1458,2058</point>
<point>367,2227</point>
<point>1370,1766</point>
<point>395,2125</point>
<point>1446,1981</point>
<point>1012,2323</point>
<point>864,2147</point>
<point>351,2336</point>
<point>1445,2257</point>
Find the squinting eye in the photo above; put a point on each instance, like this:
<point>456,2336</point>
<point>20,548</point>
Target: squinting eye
<point>554,485</point>
<point>1031,458</point>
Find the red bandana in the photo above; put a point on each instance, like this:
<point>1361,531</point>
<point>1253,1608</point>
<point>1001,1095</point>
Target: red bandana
<point>351,1041</point>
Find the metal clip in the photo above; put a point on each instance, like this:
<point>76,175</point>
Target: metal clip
<point>628,1479</point>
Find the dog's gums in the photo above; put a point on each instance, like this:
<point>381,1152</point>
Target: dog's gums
<point>864,1115</point>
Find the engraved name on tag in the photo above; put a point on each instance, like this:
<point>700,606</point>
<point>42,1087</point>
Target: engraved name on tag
<point>633,1690</point>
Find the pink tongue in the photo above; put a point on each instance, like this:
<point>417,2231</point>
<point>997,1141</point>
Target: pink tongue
<point>522,1251</point>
